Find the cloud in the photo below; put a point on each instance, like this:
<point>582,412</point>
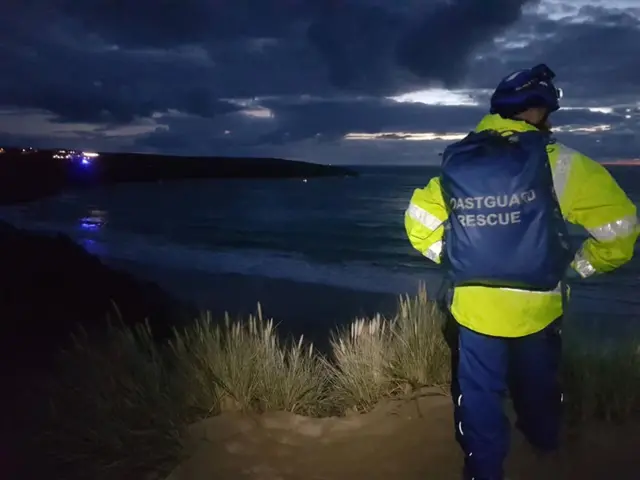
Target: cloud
<point>365,119</point>
<point>440,45</point>
<point>297,77</point>
<point>591,48</point>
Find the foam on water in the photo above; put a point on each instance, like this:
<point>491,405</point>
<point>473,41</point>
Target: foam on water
<point>344,233</point>
<point>149,251</point>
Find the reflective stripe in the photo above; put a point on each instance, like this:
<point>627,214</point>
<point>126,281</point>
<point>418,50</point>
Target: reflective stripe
<point>583,266</point>
<point>420,215</point>
<point>555,291</point>
<point>561,169</point>
<point>620,228</point>
<point>434,251</point>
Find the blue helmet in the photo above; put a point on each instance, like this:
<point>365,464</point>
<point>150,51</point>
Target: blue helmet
<point>526,89</point>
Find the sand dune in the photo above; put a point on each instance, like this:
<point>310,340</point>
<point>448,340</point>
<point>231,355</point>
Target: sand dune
<point>407,439</point>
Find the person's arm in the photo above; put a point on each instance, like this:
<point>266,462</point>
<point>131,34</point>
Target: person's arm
<point>596,202</point>
<point>424,219</point>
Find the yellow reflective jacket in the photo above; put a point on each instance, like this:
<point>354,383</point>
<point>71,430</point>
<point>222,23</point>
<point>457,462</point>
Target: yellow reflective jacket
<point>588,196</point>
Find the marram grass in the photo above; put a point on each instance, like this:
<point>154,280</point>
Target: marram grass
<point>377,358</point>
<point>118,406</point>
<point>112,411</point>
<point>246,366</point>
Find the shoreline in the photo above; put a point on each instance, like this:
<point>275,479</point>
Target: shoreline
<point>298,308</point>
<point>56,284</point>
<point>313,309</point>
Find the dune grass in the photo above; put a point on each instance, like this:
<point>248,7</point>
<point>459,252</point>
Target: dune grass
<point>244,365</point>
<point>112,411</point>
<point>601,380</point>
<point>377,358</point>
<point>118,405</point>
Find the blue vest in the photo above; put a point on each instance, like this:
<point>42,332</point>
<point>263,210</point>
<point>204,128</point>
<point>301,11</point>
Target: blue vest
<point>505,227</point>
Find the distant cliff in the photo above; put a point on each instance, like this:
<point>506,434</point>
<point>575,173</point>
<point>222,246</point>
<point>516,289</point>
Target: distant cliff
<point>26,174</point>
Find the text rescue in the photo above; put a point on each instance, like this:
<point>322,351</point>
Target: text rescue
<point>490,202</point>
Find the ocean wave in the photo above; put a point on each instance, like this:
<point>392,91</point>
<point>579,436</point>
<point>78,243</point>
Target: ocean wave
<point>150,250</point>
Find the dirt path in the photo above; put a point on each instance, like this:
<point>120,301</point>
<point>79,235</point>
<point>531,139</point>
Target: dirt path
<point>399,440</point>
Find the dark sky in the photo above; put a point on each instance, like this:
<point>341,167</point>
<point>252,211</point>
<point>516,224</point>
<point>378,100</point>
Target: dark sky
<point>333,81</point>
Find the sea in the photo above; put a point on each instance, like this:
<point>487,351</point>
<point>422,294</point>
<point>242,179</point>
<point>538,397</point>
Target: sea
<point>345,232</point>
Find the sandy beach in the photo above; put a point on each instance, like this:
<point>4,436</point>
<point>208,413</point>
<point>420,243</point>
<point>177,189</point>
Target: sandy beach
<point>298,307</point>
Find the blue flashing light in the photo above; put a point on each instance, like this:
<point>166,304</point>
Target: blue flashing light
<point>95,220</point>
<point>89,225</point>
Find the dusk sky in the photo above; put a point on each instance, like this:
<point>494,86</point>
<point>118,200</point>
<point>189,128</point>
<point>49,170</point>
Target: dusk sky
<point>331,81</point>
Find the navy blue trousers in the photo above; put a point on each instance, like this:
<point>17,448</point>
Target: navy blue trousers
<point>485,369</point>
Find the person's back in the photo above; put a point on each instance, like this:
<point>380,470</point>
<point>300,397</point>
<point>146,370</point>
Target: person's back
<point>506,312</point>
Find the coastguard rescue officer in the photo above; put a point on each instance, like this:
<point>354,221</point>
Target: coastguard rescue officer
<point>508,339</point>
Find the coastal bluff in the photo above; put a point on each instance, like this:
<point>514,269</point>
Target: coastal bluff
<point>51,287</point>
<point>29,174</point>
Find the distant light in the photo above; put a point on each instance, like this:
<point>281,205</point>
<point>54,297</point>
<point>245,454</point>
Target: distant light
<point>94,221</point>
<point>89,225</point>
<point>85,161</point>
<point>304,180</point>
<point>90,154</point>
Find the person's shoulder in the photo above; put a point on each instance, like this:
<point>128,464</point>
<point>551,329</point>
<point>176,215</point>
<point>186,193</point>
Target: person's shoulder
<point>581,168</point>
<point>434,182</point>
<point>430,193</point>
<point>570,154</point>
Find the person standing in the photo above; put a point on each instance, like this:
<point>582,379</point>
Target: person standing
<point>494,219</point>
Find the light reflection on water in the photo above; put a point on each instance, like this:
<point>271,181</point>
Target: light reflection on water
<point>94,220</point>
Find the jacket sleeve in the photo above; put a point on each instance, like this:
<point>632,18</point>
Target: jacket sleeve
<point>596,202</point>
<point>424,220</point>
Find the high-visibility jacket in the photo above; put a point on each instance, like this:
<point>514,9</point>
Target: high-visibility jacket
<point>588,196</point>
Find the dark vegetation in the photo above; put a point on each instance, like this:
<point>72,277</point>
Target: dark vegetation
<point>29,175</point>
<point>49,287</point>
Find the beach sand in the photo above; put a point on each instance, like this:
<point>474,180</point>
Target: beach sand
<point>399,440</point>
<point>408,440</point>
